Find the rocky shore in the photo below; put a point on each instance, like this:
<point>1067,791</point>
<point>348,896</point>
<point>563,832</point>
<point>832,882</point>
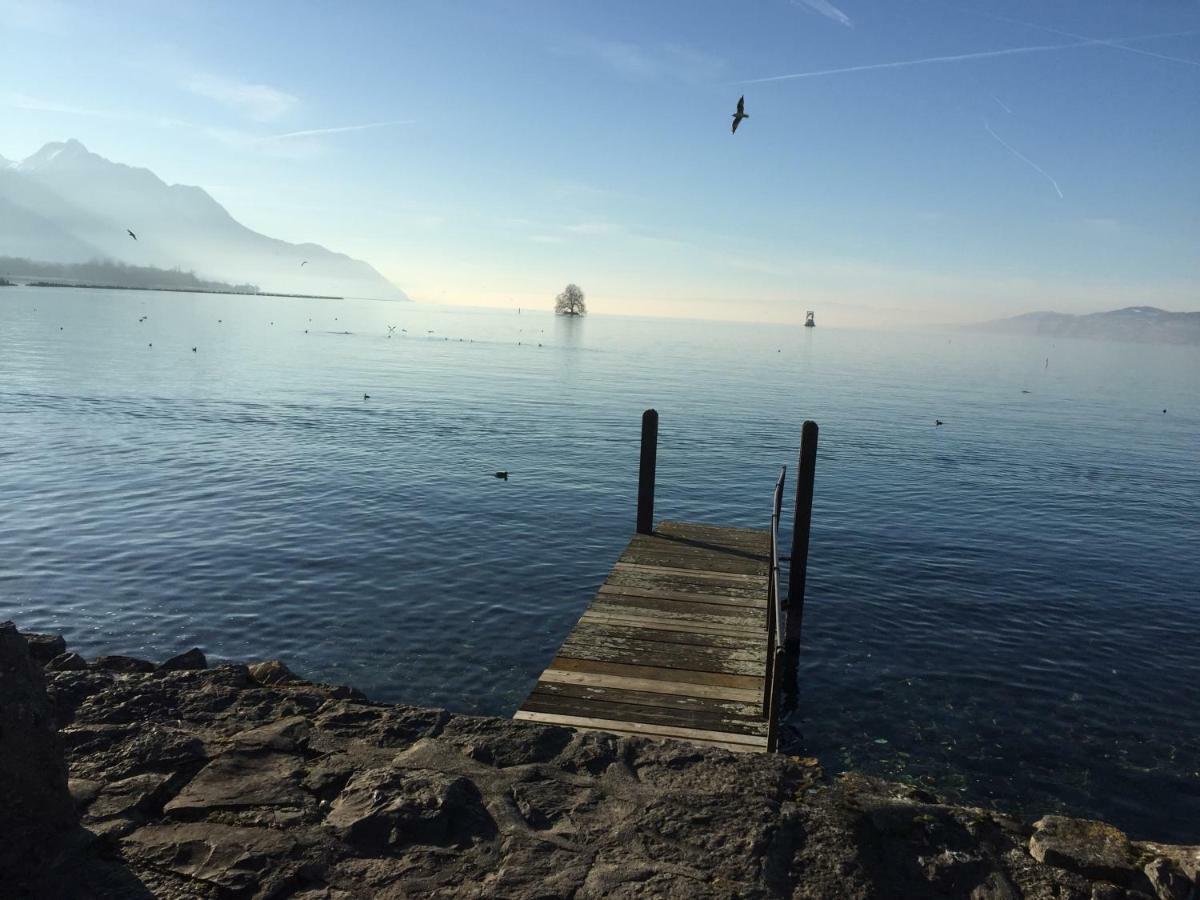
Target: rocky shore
<point>121,778</point>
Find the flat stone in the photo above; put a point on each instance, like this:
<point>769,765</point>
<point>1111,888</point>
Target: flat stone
<point>126,664</point>
<point>233,858</point>
<point>188,660</point>
<point>238,780</point>
<point>67,662</point>
<point>272,672</point>
<point>140,793</point>
<point>84,790</point>
<point>1093,849</point>
<point>44,647</point>
<point>394,808</point>
<point>285,736</point>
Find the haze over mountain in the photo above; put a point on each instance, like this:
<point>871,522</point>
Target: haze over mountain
<point>1144,324</point>
<point>66,204</point>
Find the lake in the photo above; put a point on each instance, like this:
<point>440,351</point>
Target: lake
<point>1005,608</point>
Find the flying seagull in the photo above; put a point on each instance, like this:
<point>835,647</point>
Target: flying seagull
<point>303,264</point>
<point>740,114</point>
<point>131,234</point>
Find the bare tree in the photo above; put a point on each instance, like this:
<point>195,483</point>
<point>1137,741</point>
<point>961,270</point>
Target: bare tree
<point>570,302</point>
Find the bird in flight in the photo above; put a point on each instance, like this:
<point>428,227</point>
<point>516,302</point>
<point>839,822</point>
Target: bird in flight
<point>740,114</point>
<point>391,330</point>
<point>131,234</point>
<point>303,264</point>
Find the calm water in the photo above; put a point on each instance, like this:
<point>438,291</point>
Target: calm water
<point>1007,607</point>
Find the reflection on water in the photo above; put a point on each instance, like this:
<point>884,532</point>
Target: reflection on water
<point>1005,607</point>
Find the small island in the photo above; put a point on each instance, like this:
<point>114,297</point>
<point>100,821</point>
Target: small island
<point>570,302</point>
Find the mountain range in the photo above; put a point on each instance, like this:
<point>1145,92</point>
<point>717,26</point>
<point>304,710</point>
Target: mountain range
<point>67,204</point>
<point>1144,324</point>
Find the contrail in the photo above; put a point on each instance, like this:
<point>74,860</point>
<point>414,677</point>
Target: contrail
<point>1003,105</point>
<point>959,57</point>
<point>1115,43</point>
<point>1019,155</point>
<point>312,132</point>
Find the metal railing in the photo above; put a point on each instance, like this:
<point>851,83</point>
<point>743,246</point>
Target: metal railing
<point>775,641</point>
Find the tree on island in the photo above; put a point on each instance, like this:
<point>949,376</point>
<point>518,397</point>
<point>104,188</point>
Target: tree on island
<point>570,302</point>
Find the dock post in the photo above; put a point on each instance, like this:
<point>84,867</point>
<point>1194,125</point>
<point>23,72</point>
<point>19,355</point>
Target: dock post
<point>798,567</point>
<point>649,460</point>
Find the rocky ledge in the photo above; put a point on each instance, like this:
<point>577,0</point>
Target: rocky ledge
<point>124,779</point>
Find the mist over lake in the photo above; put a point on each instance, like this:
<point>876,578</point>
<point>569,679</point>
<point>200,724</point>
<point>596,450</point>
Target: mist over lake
<point>1004,607</point>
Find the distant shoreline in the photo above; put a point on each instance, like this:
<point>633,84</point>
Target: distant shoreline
<point>175,290</point>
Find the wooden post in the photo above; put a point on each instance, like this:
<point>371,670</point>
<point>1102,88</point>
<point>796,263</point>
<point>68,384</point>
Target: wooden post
<point>798,567</point>
<point>649,461</point>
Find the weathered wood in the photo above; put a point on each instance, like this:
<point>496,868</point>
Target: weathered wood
<point>664,656</point>
<point>682,637</point>
<point>646,466</point>
<point>798,567</point>
<point>649,685</point>
<point>734,578</point>
<point>713,610</point>
<point>670,559</point>
<point>659,673</point>
<point>686,596</point>
<point>674,644</point>
<point>697,734</point>
<point>651,715</point>
<point>731,709</point>
<point>664,623</point>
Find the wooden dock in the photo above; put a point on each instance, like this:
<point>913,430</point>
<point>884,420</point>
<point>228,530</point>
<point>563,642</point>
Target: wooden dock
<point>674,644</point>
<point>688,637</point>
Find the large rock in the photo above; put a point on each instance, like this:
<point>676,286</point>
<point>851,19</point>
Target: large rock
<point>44,647</point>
<point>36,809</point>
<point>235,859</point>
<point>1093,849</point>
<point>383,808</point>
<point>186,661</point>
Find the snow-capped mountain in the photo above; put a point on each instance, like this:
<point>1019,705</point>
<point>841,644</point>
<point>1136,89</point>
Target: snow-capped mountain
<point>66,204</point>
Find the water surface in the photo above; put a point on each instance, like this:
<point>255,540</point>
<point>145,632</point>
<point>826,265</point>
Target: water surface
<point>1006,608</point>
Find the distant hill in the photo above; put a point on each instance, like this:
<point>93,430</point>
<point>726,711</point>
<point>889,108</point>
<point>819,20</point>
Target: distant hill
<point>66,204</point>
<point>106,273</point>
<point>1144,324</point>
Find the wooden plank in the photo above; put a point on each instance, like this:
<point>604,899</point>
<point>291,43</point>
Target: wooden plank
<point>621,732</point>
<point>701,548</point>
<point>715,577</point>
<point>650,685</point>
<point>663,657</point>
<point>633,670</point>
<point>745,617</point>
<point>698,735</point>
<point>704,706</point>
<point>682,584</point>
<point>649,715</point>
<point>679,641</point>
<point>726,532</point>
<point>684,596</point>
<point>717,565</point>
<point>633,619</point>
<point>747,641</point>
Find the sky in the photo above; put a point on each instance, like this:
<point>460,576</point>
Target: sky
<point>905,161</point>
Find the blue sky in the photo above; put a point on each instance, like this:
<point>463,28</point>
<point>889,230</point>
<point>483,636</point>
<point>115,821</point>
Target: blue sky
<point>514,146</point>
